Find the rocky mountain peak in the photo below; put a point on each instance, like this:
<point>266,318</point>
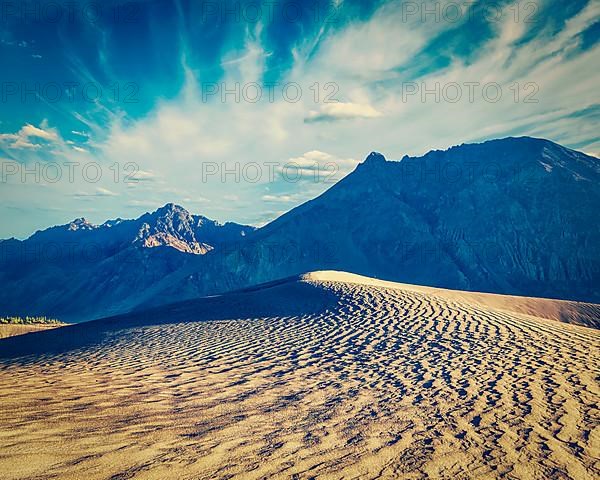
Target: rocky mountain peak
<point>80,224</point>
<point>171,208</point>
<point>375,158</point>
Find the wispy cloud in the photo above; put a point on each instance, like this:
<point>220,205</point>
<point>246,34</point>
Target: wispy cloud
<point>279,198</point>
<point>331,112</point>
<point>97,192</point>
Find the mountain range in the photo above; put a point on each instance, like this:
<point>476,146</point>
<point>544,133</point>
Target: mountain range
<point>80,270</point>
<point>512,216</point>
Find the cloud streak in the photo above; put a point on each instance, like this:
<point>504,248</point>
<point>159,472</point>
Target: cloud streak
<point>332,112</point>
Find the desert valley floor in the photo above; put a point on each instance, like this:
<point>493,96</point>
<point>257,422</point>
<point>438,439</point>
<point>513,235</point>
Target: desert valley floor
<point>328,375</point>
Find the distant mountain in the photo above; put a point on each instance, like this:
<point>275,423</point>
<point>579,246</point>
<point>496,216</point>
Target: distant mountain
<point>169,226</point>
<point>514,216</point>
<point>80,270</point>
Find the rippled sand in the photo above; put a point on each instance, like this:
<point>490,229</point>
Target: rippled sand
<point>326,376</point>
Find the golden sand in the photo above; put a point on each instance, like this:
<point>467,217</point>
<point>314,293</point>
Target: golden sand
<point>326,376</point>
<point>11,330</point>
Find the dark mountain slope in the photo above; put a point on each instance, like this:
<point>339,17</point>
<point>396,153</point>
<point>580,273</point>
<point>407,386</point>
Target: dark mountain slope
<point>514,216</point>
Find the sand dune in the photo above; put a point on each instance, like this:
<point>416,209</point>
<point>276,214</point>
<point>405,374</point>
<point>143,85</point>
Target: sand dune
<point>10,330</point>
<point>577,313</point>
<point>329,375</point>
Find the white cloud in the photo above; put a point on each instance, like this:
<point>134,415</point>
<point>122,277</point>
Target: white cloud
<point>30,131</point>
<point>279,198</point>
<point>29,135</point>
<point>341,111</point>
<point>104,192</point>
<point>81,134</point>
<point>319,163</point>
<point>372,49</point>
<point>195,200</point>
<point>144,203</point>
<point>141,176</point>
<point>98,192</point>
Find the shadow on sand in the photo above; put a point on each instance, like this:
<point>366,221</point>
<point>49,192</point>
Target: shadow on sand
<point>287,297</point>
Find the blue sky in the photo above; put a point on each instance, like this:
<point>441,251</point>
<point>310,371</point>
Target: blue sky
<point>112,109</point>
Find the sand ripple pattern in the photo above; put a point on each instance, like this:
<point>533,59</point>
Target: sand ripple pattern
<point>383,383</point>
